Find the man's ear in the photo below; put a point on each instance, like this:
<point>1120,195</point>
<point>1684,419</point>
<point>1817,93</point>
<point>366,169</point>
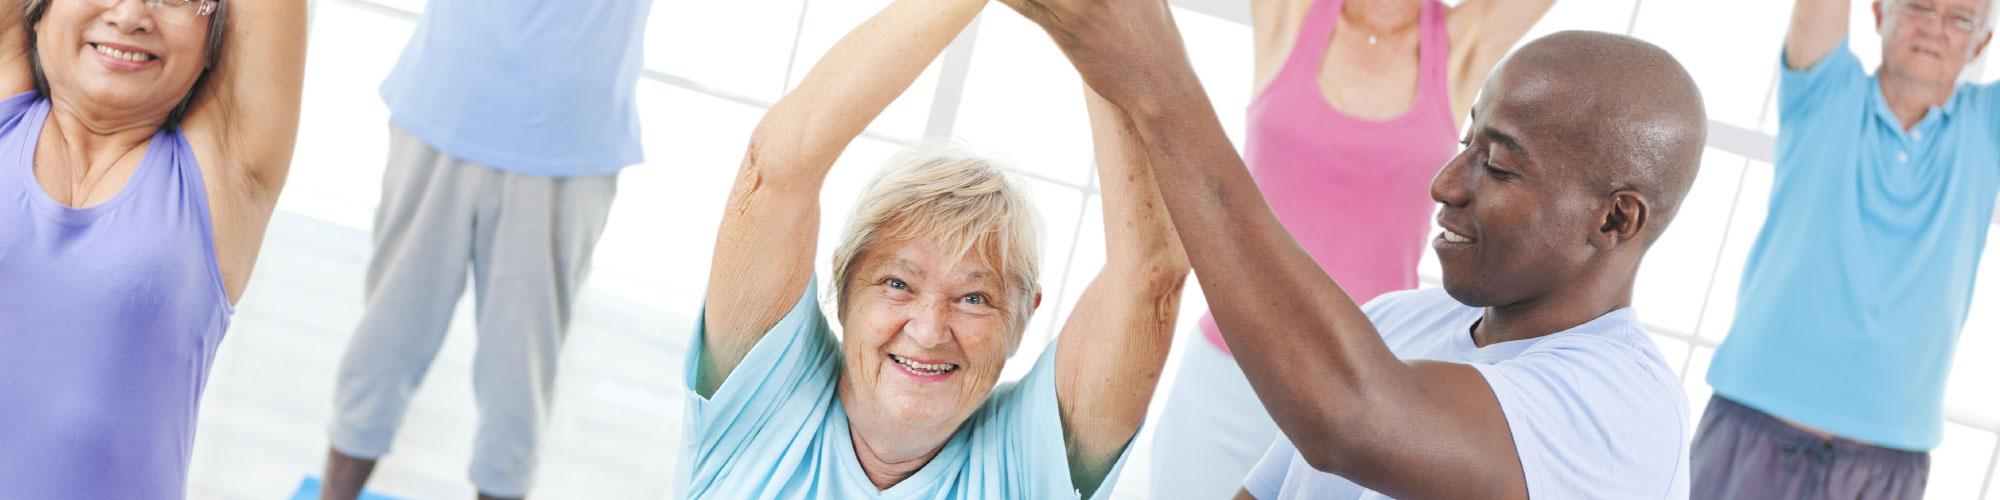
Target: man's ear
<point>1623,219</point>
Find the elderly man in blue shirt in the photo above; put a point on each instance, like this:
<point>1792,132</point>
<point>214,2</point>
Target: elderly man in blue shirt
<point>509,123</point>
<point>1831,382</point>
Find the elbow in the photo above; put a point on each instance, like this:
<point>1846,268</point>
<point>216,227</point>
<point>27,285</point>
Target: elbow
<point>1158,278</point>
<point>772,162</point>
<point>1328,452</point>
<point>1337,437</point>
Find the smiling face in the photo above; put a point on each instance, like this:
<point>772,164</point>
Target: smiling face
<point>934,283</point>
<point>122,57</point>
<point>1581,148</point>
<point>1916,47</point>
<point>927,333</point>
<point>1516,223</point>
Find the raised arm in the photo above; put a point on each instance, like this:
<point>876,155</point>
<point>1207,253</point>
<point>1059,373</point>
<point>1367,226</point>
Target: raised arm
<point>248,110</point>
<point>1817,26</point>
<point>15,74</point>
<point>1482,33</point>
<point>764,251</point>
<point>1319,366</point>
<point>243,122</point>
<point>1274,27</point>
<point>1114,343</point>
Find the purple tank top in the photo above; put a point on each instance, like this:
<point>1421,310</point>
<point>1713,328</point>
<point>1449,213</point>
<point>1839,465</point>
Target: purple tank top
<point>109,319</point>
<point>1354,193</point>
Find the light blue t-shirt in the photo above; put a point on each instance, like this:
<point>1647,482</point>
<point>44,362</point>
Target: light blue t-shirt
<point>775,429</point>
<point>535,87</point>
<point>1853,298</point>
<point>1594,410</point>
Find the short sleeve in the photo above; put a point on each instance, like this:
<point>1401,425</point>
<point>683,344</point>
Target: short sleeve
<point>1593,417</point>
<point>769,406</point>
<point>1017,441</point>
<point>1836,80</point>
<point>1268,477</point>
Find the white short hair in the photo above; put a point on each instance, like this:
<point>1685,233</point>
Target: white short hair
<point>968,204</point>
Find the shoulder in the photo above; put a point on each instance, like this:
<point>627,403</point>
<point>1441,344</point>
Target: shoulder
<point>1016,439</point>
<point>799,351</point>
<point>1594,411</point>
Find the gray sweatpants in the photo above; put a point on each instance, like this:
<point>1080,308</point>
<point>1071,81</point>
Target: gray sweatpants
<point>527,240</point>
<point>1742,453</point>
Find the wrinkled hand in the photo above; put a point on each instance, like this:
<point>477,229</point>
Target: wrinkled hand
<point>1120,47</point>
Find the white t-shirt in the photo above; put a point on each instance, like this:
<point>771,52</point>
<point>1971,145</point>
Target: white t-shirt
<point>1594,410</point>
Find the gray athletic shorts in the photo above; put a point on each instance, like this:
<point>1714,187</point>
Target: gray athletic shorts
<point>1742,453</point>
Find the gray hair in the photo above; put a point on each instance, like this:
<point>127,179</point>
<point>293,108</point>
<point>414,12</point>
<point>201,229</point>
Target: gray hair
<point>218,28</point>
<point>966,202</point>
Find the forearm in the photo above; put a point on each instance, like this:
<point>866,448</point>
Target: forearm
<point>1319,360</point>
<point>1817,26</point>
<point>1139,234</point>
<point>1115,344</point>
<point>859,77</point>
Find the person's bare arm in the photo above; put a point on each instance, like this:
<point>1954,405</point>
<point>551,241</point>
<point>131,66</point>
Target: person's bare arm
<point>1483,31</point>
<point>1244,494</point>
<point>764,250</point>
<point>1114,344</point>
<point>1274,27</point>
<point>243,123</point>
<point>1817,27</point>
<point>16,76</point>
<point>1418,429</point>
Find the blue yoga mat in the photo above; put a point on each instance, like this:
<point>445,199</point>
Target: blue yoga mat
<point>309,490</point>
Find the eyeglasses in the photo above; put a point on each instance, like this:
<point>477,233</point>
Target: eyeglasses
<point>1963,23</point>
<point>180,8</point>
<point>177,10</point>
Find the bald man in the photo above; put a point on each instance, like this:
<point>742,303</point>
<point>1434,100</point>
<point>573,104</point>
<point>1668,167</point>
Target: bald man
<point>1528,374</point>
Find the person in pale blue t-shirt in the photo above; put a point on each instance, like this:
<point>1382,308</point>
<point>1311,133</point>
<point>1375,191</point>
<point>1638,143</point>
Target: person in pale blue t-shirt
<point>933,282</point>
<point>1528,375</point>
<point>1636,424</point>
<point>509,121</point>
<point>1831,382</point>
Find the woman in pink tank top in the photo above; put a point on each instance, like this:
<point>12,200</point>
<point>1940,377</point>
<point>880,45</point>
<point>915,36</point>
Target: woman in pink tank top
<point>1358,106</point>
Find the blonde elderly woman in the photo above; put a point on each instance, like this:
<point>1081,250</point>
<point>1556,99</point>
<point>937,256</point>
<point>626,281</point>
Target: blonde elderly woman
<point>141,154</point>
<point>933,282</point>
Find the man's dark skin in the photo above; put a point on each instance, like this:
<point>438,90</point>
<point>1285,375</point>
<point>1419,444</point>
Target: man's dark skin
<point>1579,152</point>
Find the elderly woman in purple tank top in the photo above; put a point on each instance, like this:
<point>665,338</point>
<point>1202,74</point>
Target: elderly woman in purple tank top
<point>141,154</point>
<point>1358,105</point>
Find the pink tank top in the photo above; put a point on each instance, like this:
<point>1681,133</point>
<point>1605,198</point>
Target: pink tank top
<point>1354,193</point>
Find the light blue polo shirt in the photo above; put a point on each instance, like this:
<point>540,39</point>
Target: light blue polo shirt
<point>775,429</point>
<point>1853,298</point>
<point>528,86</point>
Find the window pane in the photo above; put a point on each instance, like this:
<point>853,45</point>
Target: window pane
<point>1059,207</point>
<point>1752,204</point>
<point>1022,97</point>
<point>826,22</point>
<point>343,125</point>
<point>1975,375</point>
<point>1674,278</point>
<point>1612,16</point>
<point>739,46</point>
<point>1733,76</point>
<point>1696,384</point>
<point>659,242</point>
<point>1959,465</point>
